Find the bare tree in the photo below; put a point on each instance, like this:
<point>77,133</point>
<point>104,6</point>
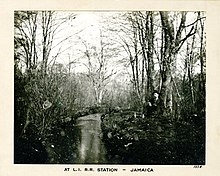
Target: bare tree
<point>139,48</point>
<point>35,33</point>
<point>99,69</point>
<point>172,43</point>
<point>25,38</point>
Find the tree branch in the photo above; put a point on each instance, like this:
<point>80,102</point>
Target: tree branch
<point>185,38</point>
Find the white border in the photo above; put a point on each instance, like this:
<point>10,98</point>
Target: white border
<point>7,95</point>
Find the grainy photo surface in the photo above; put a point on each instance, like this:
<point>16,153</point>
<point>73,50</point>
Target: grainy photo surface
<point>110,87</point>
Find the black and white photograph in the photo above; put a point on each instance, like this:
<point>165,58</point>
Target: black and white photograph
<point>109,87</point>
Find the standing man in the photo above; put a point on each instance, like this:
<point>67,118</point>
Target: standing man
<point>152,104</point>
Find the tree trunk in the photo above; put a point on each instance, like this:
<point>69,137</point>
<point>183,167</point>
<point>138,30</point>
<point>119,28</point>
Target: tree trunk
<point>171,45</point>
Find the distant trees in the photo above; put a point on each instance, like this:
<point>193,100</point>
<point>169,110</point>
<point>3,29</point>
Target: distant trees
<point>98,68</point>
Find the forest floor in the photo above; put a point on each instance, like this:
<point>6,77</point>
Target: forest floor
<point>132,139</point>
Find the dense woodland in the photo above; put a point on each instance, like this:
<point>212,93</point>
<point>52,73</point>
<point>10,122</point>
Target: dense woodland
<point>70,64</point>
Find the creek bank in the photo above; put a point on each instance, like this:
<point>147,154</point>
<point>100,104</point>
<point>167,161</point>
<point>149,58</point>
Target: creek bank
<point>131,139</point>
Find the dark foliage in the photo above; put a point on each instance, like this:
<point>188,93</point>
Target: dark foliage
<point>29,148</point>
<point>40,131</point>
<point>152,140</point>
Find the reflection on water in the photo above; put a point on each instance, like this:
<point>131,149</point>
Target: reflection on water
<point>90,148</point>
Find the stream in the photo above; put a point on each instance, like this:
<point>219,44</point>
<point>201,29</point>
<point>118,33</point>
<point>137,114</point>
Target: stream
<point>89,146</point>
